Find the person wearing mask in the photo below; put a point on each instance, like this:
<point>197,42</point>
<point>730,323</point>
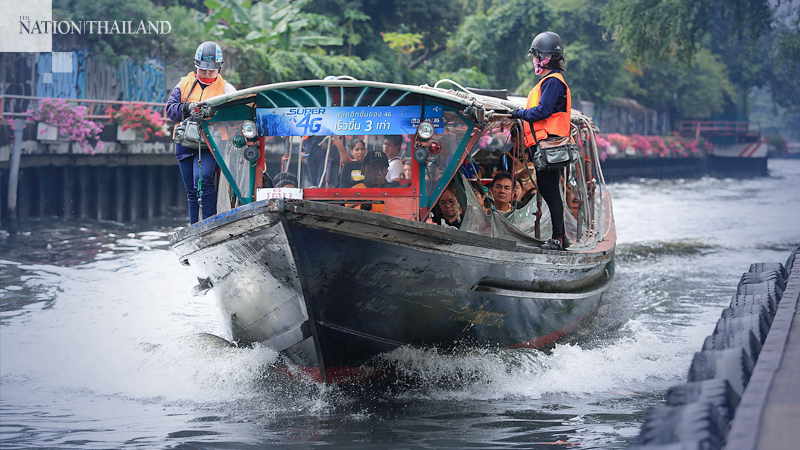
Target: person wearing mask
<point>198,164</point>
<point>547,114</point>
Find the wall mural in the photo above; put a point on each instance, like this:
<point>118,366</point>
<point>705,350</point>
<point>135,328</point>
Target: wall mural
<point>77,75</point>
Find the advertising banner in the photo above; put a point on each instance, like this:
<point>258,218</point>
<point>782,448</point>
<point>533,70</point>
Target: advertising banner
<point>346,120</point>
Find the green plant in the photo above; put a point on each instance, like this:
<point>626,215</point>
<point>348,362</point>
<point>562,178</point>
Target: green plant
<point>71,119</point>
<point>135,116</point>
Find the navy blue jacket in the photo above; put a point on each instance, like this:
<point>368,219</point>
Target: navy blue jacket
<point>553,99</point>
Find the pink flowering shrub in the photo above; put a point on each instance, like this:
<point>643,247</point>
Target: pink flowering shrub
<point>71,119</point>
<point>136,116</point>
<point>636,146</point>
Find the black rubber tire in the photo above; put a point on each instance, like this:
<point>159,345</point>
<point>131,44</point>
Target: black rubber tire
<point>753,322</point>
<point>767,287</point>
<point>742,311</point>
<point>717,392</point>
<point>695,422</point>
<point>761,277</point>
<point>755,299</point>
<point>744,339</point>
<point>768,267</point>
<point>731,364</point>
<point>790,261</point>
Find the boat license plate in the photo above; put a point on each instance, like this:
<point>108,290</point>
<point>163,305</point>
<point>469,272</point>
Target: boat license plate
<point>268,193</point>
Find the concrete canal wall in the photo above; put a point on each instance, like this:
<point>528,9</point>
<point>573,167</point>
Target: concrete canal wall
<point>743,387</point>
<point>123,182</point>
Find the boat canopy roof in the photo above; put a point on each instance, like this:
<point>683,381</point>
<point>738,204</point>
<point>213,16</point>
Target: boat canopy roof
<point>464,96</point>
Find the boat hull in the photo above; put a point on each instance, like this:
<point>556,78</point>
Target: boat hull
<point>332,288</point>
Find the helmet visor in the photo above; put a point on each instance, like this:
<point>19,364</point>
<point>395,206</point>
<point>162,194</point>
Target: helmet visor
<point>207,65</point>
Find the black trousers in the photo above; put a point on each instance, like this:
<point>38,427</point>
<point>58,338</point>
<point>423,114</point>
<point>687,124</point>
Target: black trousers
<point>548,186</point>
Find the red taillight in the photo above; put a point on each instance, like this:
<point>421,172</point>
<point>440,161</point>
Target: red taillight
<point>434,148</point>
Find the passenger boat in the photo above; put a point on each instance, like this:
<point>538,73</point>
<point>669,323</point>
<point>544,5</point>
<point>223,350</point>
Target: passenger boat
<point>332,287</point>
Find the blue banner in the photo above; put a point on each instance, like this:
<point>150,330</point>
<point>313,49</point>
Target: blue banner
<point>346,120</point>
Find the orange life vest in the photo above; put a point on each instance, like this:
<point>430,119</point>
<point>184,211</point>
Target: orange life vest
<point>557,124</point>
<point>197,93</point>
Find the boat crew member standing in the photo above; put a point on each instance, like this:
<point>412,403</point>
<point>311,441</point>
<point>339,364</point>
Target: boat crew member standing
<point>547,114</point>
<point>196,164</point>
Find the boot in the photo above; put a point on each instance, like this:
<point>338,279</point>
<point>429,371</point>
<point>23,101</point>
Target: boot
<point>552,244</point>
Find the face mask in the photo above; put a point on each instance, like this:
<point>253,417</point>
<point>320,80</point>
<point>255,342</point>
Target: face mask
<point>206,80</point>
<point>538,65</point>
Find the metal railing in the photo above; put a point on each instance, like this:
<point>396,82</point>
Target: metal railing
<point>699,128</point>
<point>93,105</point>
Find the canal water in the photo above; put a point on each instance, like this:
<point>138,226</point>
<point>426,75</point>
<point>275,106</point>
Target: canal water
<point>103,346</point>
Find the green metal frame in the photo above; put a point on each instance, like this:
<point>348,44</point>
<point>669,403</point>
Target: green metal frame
<point>451,168</point>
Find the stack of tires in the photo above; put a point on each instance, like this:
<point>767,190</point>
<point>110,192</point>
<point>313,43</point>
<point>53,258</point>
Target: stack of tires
<point>697,414</point>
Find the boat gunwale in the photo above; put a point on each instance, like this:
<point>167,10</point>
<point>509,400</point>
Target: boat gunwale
<point>279,208</point>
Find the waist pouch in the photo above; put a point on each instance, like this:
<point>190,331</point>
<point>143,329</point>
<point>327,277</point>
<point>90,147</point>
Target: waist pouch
<point>187,134</point>
<point>554,153</point>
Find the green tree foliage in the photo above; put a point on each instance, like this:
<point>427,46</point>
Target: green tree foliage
<point>596,70</point>
<point>257,65</point>
<point>757,39</point>
<point>276,22</point>
<point>652,30</point>
<point>112,47</point>
<point>495,42</point>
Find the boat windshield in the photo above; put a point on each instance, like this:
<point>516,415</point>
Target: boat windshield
<point>318,139</point>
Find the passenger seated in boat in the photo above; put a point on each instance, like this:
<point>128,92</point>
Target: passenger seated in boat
<point>351,174</point>
<point>480,193</point>
<point>376,163</point>
<point>447,211</point>
<point>503,191</point>
<point>285,180</point>
<point>519,191</point>
<point>391,147</point>
<point>376,166</point>
<point>351,163</point>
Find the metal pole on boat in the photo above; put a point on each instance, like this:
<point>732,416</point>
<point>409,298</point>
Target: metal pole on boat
<point>13,176</point>
<point>299,160</point>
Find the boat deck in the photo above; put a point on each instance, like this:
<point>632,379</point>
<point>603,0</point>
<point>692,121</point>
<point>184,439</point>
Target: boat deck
<point>769,412</point>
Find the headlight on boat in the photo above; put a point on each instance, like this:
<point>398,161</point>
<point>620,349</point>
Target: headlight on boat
<point>239,141</point>
<point>249,129</point>
<point>425,130</point>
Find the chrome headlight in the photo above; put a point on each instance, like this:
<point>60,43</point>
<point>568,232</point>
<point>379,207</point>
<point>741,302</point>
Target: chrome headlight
<point>249,129</point>
<point>425,130</point>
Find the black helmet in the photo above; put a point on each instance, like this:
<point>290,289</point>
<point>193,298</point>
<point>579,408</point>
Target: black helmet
<point>208,56</point>
<point>547,44</point>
